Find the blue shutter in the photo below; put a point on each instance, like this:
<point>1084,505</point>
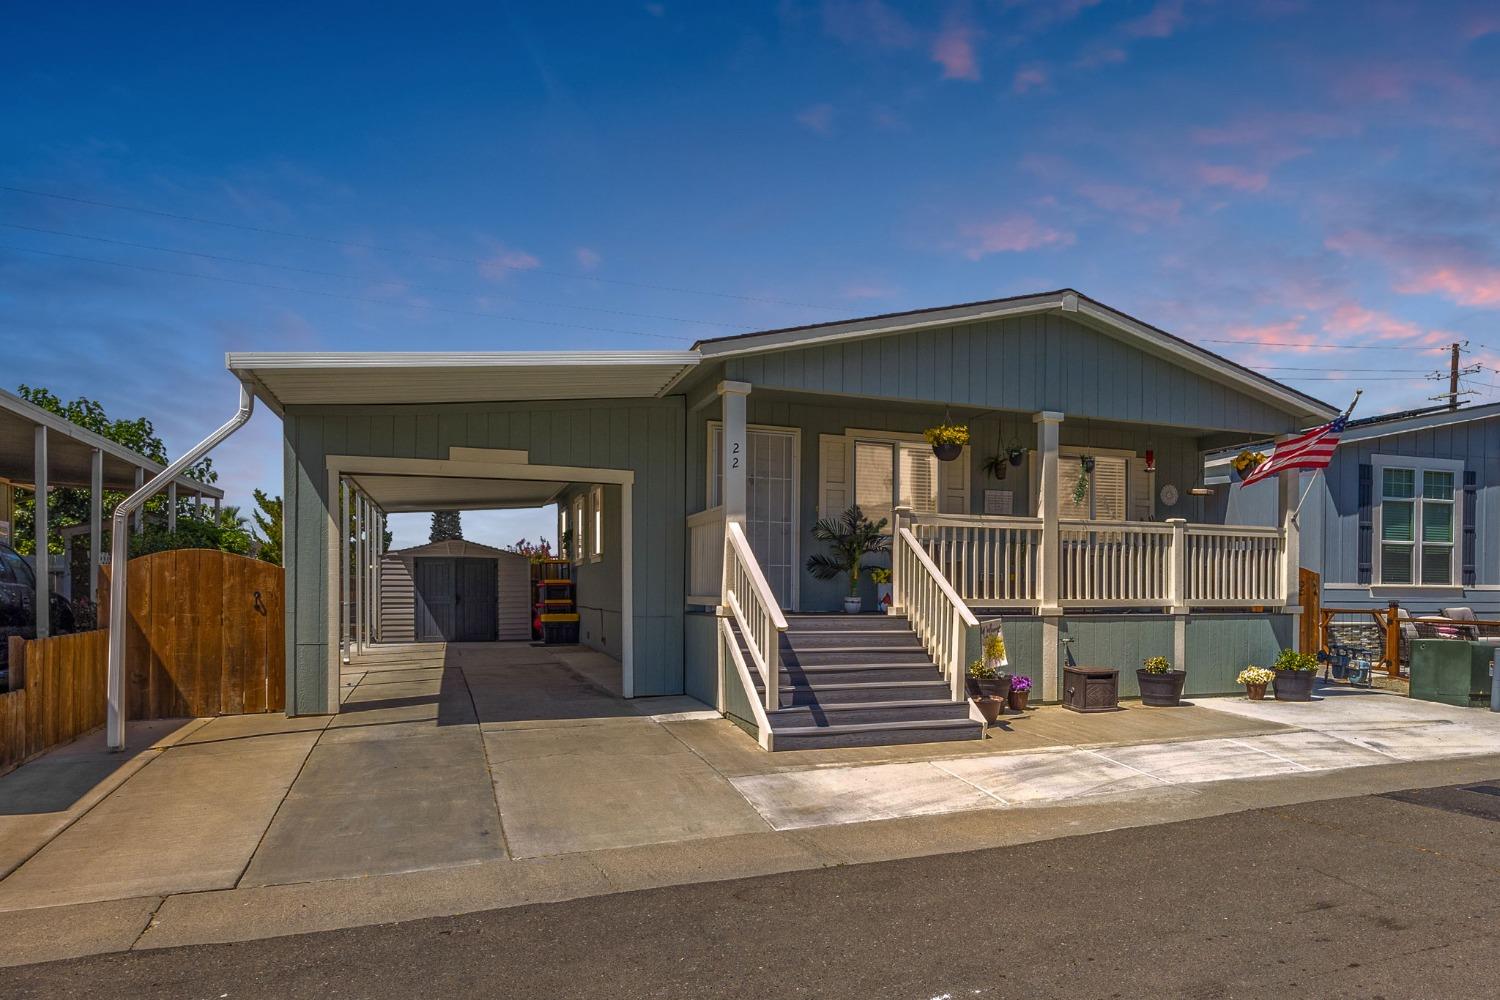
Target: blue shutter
<point>1471,489</point>
<point>1366,526</point>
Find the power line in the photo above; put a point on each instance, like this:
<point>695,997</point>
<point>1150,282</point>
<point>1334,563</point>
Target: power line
<point>339,295</point>
<point>1323,347</point>
<point>349,277</point>
<point>1324,368</point>
<point>331,241</point>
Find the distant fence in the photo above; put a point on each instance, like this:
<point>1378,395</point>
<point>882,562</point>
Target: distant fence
<point>57,693</point>
<point>204,635</point>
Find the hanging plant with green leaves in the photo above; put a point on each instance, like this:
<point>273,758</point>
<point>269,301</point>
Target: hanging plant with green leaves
<point>1081,484</point>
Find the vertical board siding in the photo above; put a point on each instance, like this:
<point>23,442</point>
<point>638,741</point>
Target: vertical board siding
<point>1220,646</point>
<point>644,436</point>
<point>62,697</point>
<point>1039,362</point>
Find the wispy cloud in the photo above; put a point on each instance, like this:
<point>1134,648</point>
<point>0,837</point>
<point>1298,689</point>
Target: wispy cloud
<point>1162,21</point>
<point>817,118</point>
<point>868,23</point>
<point>1464,284</point>
<point>587,257</point>
<point>1030,77</point>
<point>953,49</point>
<point>504,262</point>
<point>1009,234</point>
<point>1232,176</point>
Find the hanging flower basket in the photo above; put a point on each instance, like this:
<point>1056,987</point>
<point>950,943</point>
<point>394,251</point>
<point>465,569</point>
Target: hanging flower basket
<point>1247,461</point>
<point>947,440</point>
<point>1016,456</point>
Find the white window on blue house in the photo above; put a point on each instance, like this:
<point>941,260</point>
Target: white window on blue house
<point>1419,521</point>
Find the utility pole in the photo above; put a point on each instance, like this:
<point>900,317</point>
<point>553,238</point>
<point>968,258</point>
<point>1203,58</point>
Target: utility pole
<point>1453,379</point>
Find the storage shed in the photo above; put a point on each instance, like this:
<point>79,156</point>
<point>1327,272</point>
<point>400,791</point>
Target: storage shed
<point>454,591</point>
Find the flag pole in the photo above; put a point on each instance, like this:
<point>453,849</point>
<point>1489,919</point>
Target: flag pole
<point>1313,481</point>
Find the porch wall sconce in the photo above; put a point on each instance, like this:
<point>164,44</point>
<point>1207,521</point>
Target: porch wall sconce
<point>1150,460</point>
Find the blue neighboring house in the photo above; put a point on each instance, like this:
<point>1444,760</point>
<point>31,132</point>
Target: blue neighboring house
<point>1408,511</point>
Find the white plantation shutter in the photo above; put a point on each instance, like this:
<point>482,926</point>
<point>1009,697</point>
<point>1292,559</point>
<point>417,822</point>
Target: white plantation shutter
<point>919,479</point>
<point>1106,489</point>
<point>874,479</point>
<point>1139,491</point>
<point>834,494</point>
<point>954,495</point>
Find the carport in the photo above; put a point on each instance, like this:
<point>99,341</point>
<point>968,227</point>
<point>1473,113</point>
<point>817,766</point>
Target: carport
<point>40,450</point>
<point>368,435</point>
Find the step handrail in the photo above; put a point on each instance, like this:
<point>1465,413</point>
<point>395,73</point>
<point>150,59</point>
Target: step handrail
<point>729,646</point>
<point>748,597</point>
<point>937,614</point>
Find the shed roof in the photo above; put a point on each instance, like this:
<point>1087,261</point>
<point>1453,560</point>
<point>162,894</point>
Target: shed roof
<point>460,547</point>
<point>70,450</point>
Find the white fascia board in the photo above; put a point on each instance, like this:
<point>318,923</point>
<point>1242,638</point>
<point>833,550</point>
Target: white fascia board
<point>240,362</point>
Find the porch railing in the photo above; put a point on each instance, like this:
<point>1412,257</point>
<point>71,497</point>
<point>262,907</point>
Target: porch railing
<point>705,552</point>
<point>996,562</point>
<point>749,599</point>
<point>938,614</point>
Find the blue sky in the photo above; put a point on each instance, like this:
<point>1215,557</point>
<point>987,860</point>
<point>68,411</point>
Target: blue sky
<point>1281,175</point>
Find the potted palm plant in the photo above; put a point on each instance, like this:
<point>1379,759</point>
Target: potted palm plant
<point>947,440</point>
<point>1255,680</point>
<point>850,537</point>
<point>1161,686</point>
<point>1295,673</point>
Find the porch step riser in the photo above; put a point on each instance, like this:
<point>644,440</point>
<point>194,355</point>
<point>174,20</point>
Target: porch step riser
<point>878,738</point>
<point>833,715</point>
<point>811,624</point>
<point>855,657</point>
<point>795,696</point>
<point>795,677</point>
<point>883,639</point>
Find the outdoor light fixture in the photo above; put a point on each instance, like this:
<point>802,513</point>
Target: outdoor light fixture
<point>1200,491</point>
<point>1150,460</point>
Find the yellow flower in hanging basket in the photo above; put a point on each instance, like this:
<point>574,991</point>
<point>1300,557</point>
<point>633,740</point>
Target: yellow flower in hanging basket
<point>957,434</point>
<point>1247,460</point>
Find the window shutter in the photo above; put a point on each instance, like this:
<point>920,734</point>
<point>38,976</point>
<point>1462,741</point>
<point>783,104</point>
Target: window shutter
<point>953,491</point>
<point>1471,489</point>
<point>1366,528</point>
<point>833,475</point>
<point>1141,497</point>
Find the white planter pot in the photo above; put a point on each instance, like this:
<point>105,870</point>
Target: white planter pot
<point>853,605</point>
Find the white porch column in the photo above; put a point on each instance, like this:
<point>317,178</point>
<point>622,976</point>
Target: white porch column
<point>343,551</point>
<point>359,572</point>
<point>1177,567</point>
<point>43,584</point>
<point>735,448</point>
<point>172,507</point>
<point>96,520</point>
<point>140,512</point>
<point>1287,488</point>
<point>1047,507</point>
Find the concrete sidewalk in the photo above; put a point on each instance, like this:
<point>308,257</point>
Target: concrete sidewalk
<point>476,777</point>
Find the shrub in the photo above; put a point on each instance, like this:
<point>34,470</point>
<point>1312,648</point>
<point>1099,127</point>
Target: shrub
<point>1290,659</point>
<point>982,669</point>
<point>1157,665</point>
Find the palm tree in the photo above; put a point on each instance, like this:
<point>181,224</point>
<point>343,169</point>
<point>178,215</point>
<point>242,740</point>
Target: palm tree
<point>851,536</point>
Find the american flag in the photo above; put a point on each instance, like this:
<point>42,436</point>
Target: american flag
<point>1309,450</point>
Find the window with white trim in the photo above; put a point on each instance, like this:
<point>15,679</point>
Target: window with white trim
<point>579,520</point>
<point>888,474</point>
<point>596,536</point>
<point>1419,521</point>
<point>563,523</point>
<point>1103,500</point>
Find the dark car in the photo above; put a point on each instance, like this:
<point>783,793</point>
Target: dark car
<point>17,598</point>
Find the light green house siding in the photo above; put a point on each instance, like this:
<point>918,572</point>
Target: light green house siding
<point>641,435</point>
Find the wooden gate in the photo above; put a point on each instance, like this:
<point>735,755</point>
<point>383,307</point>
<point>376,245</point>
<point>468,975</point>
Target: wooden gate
<point>204,635</point>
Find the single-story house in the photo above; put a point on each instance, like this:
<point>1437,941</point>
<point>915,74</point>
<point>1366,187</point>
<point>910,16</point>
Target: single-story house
<point>454,591</point>
<point>691,481</point>
<point>1408,511</point>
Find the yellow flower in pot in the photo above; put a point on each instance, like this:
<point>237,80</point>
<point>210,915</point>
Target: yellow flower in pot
<point>947,440</point>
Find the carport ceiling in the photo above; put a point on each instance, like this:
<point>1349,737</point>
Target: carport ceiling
<point>70,451</point>
<point>371,378</point>
<point>404,494</point>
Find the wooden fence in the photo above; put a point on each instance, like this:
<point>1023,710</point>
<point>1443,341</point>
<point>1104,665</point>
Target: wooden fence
<point>205,635</point>
<point>57,693</point>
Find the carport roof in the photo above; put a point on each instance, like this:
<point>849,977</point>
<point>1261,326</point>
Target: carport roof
<point>294,379</point>
<point>405,494</point>
<point>70,451</point>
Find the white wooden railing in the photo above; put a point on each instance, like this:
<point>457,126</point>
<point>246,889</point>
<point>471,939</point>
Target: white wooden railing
<point>705,552</point>
<point>996,562</point>
<point>939,616</point>
<point>749,600</point>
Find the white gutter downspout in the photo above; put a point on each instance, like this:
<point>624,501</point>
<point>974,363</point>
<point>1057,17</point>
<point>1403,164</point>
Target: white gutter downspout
<point>119,556</point>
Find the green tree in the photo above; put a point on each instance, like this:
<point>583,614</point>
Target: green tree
<point>67,505</point>
<point>446,526</point>
<point>268,522</point>
<point>230,533</point>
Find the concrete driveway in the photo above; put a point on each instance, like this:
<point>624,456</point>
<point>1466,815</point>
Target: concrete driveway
<point>470,777</point>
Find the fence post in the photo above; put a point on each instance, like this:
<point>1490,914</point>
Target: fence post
<point>1177,566</point>
<point>17,656</point>
<point>1393,640</point>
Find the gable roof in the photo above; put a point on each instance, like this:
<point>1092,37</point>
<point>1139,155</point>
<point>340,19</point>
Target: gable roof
<point>1085,310</point>
<point>457,547</point>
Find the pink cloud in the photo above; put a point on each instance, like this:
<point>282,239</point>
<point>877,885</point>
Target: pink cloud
<point>1104,55</point>
<point>1137,205</point>
<point>1231,176</point>
<point>1481,24</point>
<point>499,265</point>
<point>1467,286</point>
<point>817,118</point>
<point>1352,319</point>
<point>587,258</point>
<point>953,49</point>
<point>1287,335</point>
<point>1162,21</point>
<point>867,23</point>
<point>1027,78</point>
<point>1010,234</point>
<point>1447,268</point>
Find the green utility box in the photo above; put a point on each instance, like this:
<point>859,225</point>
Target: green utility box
<point>1451,671</point>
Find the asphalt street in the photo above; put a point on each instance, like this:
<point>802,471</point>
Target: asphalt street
<point>1378,896</point>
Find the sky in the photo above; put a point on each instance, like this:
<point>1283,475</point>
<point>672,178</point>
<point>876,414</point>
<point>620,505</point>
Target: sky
<point>1312,189</point>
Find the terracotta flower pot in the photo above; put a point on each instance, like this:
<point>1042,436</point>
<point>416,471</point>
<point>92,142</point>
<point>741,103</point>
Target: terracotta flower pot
<point>1256,692</point>
<point>1018,699</point>
<point>990,707</point>
<point>1161,690</point>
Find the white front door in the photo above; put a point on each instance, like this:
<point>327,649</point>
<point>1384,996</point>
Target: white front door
<point>771,498</point>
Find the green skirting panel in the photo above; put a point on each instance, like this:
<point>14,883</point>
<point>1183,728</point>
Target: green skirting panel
<point>1123,642</point>
<point>1023,647</point>
<point>1219,646</point>
<point>700,657</point>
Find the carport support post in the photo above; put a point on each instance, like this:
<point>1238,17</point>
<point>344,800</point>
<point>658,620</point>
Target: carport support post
<point>359,572</point>
<point>1047,508</point>
<point>733,395</point>
<point>43,584</point>
<point>96,520</point>
<point>172,507</point>
<point>140,512</point>
<point>343,551</point>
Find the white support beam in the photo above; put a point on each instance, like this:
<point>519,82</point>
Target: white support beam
<point>736,448</point>
<point>172,507</point>
<point>1047,508</point>
<point>343,556</point>
<point>359,572</point>
<point>96,521</point>
<point>140,512</point>
<point>43,584</point>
